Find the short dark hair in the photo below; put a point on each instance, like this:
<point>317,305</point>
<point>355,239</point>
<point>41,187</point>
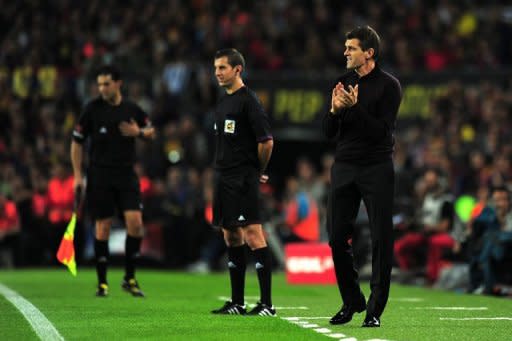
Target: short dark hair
<point>111,70</point>
<point>234,57</point>
<point>368,38</point>
<point>501,188</point>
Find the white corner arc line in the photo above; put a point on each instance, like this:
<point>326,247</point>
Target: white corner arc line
<point>44,329</point>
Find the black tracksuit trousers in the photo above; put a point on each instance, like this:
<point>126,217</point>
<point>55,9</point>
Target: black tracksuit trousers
<point>374,184</point>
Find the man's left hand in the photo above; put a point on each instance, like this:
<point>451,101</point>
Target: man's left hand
<point>130,129</point>
<point>349,98</point>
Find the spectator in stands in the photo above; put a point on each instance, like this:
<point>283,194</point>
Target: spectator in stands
<point>21,196</point>
<point>38,242</point>
<point>214,247</point>
<point>60,204</point>
<point>495,225</point>
<point>301,220</point>
<point>435,222</point>
<point>144,181</point>
<point>9,231</point>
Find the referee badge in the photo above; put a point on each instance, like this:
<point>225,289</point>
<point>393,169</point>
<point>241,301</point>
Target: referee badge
<point>229,126</point>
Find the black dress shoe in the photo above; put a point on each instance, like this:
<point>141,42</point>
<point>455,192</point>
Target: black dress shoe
<point>371,322</point>
<point>345,314</point>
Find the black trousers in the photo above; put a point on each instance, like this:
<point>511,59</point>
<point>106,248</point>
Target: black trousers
<point>374,184</point>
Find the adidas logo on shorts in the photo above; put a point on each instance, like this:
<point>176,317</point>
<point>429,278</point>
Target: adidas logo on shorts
<point>241,218</point>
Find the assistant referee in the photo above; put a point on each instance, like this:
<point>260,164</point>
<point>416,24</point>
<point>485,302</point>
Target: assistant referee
<point>112,123</point>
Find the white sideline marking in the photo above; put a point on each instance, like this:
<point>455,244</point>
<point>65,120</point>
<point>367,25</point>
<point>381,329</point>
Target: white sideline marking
<point>407,299</point>
<point>303,321</point>
<point>252,305</point>
<point>475,318</point>
<point>451,308</point>
<point>43,328</point>
<point>322,330</point>
<point>292,308</point>
<point>296,318</point>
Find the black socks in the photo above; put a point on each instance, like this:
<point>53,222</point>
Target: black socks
<point>102,254</point>
<point>132,252</point>
<point>263,264</point>
<point>237,265</point>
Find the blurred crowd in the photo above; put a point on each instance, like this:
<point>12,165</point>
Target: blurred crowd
<point>50,49</point>
<point>279,35</point>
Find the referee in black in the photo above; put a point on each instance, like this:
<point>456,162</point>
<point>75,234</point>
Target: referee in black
<point>112,124</point>
<point>243,148</point>
<point>364,106</point>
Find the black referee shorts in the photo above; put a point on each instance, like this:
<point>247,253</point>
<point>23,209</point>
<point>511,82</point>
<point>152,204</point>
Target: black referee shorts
<point>236,198</point>
<point>111,190</point>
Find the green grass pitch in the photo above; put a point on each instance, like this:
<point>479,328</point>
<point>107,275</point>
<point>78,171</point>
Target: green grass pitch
<point>177,307</point>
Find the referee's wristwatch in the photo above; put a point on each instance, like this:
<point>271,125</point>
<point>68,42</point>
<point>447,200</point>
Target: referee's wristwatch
<point>141,133</point>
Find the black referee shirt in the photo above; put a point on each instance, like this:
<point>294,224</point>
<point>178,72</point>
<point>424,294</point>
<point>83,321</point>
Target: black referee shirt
<point>240,124</point>
<point>100,122</point>
<point>364,133</point>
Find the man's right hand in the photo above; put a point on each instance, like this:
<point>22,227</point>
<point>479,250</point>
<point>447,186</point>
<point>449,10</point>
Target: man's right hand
<point>78,183</point>
<point>337,102</point>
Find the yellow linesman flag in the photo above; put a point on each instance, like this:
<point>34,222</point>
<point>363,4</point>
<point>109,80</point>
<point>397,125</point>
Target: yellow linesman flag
<point>66,252</point>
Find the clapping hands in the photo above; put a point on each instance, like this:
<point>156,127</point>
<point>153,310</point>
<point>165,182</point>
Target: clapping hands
<point>341,98</point>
